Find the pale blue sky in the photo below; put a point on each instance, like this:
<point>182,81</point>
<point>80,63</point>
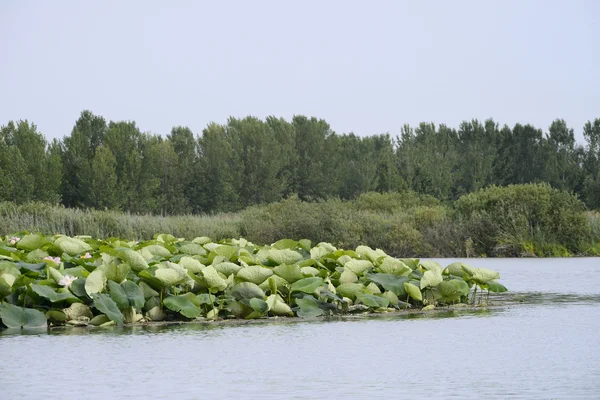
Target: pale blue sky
<point>364,66</point>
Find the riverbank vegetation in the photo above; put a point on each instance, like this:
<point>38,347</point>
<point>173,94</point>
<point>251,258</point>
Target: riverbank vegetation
<point>248,162</point>
<point>512,221</point>
<point>61,280</point>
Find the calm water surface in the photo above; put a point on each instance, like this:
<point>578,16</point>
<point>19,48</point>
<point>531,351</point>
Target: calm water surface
<point>545,344</point>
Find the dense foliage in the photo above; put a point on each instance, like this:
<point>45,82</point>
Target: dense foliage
<point>79,281</point>
<point>517,220</point>
<point>250,161</point>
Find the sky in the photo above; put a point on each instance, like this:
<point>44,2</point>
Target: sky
<point>366,67</point>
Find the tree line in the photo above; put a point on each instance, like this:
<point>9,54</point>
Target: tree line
<point>113,165</point>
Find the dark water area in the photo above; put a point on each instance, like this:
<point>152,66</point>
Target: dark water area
<point>543,343</point>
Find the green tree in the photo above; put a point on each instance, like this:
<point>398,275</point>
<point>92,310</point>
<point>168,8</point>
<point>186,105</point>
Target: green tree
<point>311,135</point>
<point>218,172</point>
<point>78,152</point>
<point>103,181</point>
<point>591,186</point>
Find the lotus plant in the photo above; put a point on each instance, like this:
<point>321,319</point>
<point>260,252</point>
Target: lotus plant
<point>174,279</point>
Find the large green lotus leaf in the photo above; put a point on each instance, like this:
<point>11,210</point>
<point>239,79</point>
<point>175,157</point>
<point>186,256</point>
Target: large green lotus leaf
<point>429,265</point>
<point>284,256</point>
<point>458,269</point>
<point>284,244</point>
<point>327,246</point>
<point>31,242</point>
<point>106,305</point>
<point>304,244</point>
<point>452,290</point>
<point>147,291</point>
<point>51,294</point>
<point>317,252</point>
<point>247,291</point>
<point>258,305</point>
<point>192,249</point>
<point>369,253</point>
<point>431,278</point>
<point>30,267</point>
<point>279,282</point>
<point>72,246</point>
<point>229,252</point>
<point>36,255</point>
<point>184,305</point>
<point>484,275</point>
<point>348,277</point>
<point>17,317</point>
<point>342,260</point>
<point>155,250</point>
<point>358,266</point>
<point>227,268</point>
<point>202,240</point>
<point>55,274</point>
<point>391,265</point>
<point>78,272</point>
<point>494,286</point>
<point>349,290</point>
<point>238,309</point>
<point>371,300</point>
<point>391,297</point>
<point>127,294</point>
<point>77,310</point>
<point>213,279</point>
<point>277,306</point>
<point>307,285</point>
<point>308,307</point>
<point>95,282</point>
<point>310,271</point>
<point>468,270</point>
<point>372,288</point>
<point>133,258</point>
<point>413,291</point>
<point>171,274</point>
<point>391,282</point>
<point>166,238</point>
<point>290,273</point>
<point>78,287</point>
<point>5,288</point>
<point>116,273</point>
<point>191,264</point>
<point>411,263</point>
<point>99,320</point>
<point>156,314</point>
<point>55,314</point>
<point>254,273</point>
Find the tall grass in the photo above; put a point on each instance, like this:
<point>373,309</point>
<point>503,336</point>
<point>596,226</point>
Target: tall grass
<point>47,219</point>
<point>522,220</point>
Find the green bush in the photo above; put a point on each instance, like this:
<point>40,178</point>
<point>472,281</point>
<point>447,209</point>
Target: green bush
<point>520,220</point>
<point>502,219</point>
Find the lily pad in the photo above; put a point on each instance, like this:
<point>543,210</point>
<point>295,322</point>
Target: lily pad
<point>307,285</point>
<point>308,307</point>
<point>106,305</point>
<point>184,305</point>
<point>18,317</point>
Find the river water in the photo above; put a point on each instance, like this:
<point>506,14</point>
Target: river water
<point>544,344</point>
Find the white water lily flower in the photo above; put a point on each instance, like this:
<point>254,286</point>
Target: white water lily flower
<point>67,280</point>
<point>87,255</point>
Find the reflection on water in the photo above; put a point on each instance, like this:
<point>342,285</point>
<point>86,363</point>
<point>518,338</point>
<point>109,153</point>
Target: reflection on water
<point>542,343</point>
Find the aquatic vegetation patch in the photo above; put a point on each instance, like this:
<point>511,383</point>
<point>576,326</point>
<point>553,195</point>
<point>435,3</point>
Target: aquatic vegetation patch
<point>81,281</point>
